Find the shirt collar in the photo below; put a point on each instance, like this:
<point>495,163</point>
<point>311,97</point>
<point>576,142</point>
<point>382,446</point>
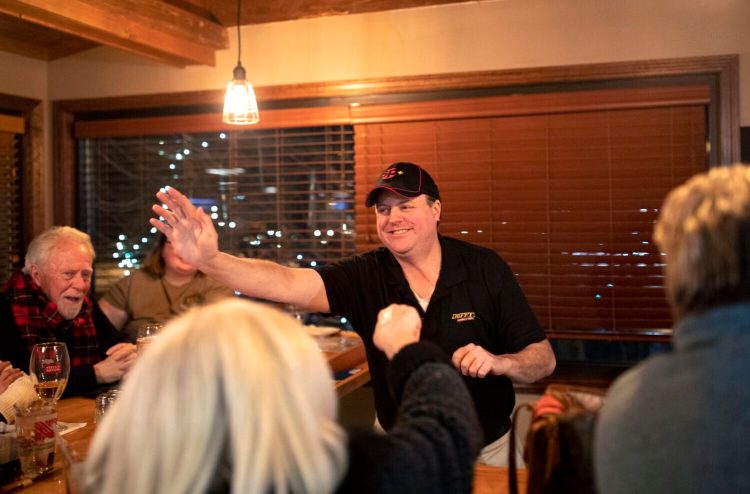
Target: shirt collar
<point>453,270</point>
<point>700,328</point>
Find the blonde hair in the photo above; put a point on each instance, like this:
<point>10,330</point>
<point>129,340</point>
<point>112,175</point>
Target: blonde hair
<point>232,397</point>
<point>704,231</point>
<point>42,245</point>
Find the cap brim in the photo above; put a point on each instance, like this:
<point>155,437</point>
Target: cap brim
<point>374,193</point>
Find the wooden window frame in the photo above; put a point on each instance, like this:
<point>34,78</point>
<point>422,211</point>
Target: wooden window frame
<point>331,103</point>
<point>33,166</point>
<point>722,69</point>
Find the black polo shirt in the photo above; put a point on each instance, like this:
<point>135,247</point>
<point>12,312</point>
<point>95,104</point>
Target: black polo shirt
<point>477,300</point>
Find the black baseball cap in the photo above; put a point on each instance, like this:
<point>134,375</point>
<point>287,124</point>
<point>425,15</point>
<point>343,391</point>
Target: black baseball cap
<point>406,179</point>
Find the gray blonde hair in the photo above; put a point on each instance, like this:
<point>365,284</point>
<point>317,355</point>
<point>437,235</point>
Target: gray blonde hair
<point>232,397</point>
<point>704,231</point>
<point>41,247</point>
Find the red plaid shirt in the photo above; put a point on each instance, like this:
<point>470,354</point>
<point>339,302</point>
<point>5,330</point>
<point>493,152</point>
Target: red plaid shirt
<point>38,320</point>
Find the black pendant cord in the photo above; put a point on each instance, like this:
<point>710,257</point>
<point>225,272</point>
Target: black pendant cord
<point>239,41</point>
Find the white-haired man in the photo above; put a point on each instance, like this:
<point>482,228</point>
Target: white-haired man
<point>49,301</point>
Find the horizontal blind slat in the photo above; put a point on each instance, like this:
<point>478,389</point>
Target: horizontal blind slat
<point>568,199</point>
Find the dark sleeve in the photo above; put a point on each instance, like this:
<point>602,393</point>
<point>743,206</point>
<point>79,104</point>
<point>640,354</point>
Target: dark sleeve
<point>435,440</point>
<point>106,333</point>
<point>518,325</point>
<point>83,377</point>
<point>343,281</point>
<point>12,346</point>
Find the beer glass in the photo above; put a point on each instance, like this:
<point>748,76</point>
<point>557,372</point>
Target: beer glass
<point>49,368</point>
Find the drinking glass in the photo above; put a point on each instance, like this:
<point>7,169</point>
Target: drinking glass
<point>146,335</point>
<point>36,436</point>
<point>103,402</point>
<point>49,368</point>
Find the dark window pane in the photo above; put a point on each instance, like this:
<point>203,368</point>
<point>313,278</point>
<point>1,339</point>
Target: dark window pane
<point>286,194</point>
<point>10,202</point>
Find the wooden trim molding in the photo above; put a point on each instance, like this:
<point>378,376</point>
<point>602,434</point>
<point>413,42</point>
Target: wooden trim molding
<point>64,168</point>
<point>531,104</point>
<point>725,66</point>
<point>724,69</point>
<point>490,106</point>
<point>33,173</point>
<point>208,122</point>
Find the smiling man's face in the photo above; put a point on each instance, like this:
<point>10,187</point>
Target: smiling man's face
<point>66,277</point>
<point>406,226</point>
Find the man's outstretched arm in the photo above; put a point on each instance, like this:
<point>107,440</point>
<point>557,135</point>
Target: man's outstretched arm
<point>194,238</point>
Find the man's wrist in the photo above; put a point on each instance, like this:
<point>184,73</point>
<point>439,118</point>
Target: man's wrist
<point>394,349</point>
<point>210,262</point>
<point>97,374</point>
<point>501,365</point>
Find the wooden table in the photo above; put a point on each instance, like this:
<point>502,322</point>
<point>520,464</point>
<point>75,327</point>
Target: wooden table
<point>487,480</point>
<point>352,357</point>
<point>68,410</point>
<point>347,358</point>
<point>494,480</point>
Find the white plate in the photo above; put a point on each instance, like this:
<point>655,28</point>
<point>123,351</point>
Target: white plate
<point>321,330</point>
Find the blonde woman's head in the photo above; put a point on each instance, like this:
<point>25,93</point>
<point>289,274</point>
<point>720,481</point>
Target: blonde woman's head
<point>704,231</point>
<point>233,397</point>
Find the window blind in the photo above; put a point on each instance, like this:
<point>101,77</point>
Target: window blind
<point>568,199</point>
<point>10,203</point>
<point>279,194</point>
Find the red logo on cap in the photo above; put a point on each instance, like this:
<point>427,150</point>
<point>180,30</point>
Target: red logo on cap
<point>389,173</point>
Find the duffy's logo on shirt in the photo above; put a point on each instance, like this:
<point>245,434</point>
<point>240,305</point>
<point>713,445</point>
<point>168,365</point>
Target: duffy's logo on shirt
<point>464,316</point>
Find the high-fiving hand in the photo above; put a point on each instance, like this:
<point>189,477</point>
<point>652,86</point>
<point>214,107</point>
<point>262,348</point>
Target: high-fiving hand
<point>188,228</point>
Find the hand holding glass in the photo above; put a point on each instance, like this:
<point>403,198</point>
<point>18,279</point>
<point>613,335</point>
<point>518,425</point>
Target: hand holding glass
<point>49,368</point>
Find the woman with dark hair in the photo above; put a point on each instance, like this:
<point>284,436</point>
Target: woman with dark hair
<point>165,287</point>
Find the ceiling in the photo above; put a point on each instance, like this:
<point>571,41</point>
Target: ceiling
<point>174,32</point>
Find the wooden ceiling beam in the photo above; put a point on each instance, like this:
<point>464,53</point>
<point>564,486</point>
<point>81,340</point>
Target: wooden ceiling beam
<point>262,11</point>
<point>68,46</point>
<point>23,48</point>
<point>148,28</point>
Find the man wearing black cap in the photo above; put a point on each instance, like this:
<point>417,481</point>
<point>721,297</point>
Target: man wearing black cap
<point>469,300</point>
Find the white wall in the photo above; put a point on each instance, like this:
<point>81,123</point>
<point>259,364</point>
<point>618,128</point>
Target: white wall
<point>472,36</point>
<point>21,76</point>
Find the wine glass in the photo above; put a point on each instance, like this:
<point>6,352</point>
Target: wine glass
<point>146,335</point>
<point>49,368</point>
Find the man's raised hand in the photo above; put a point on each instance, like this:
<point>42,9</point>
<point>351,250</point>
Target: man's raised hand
<point>188,228</point>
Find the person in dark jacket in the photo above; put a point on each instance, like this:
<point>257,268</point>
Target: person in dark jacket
<point>49,301</point>
<point>680,421</point>
<point>237,397</point>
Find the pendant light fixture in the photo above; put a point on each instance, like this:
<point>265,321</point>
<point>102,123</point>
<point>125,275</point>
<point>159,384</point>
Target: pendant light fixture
<point>240,106</point>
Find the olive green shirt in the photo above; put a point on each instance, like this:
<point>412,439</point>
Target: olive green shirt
<point>149,299</point>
